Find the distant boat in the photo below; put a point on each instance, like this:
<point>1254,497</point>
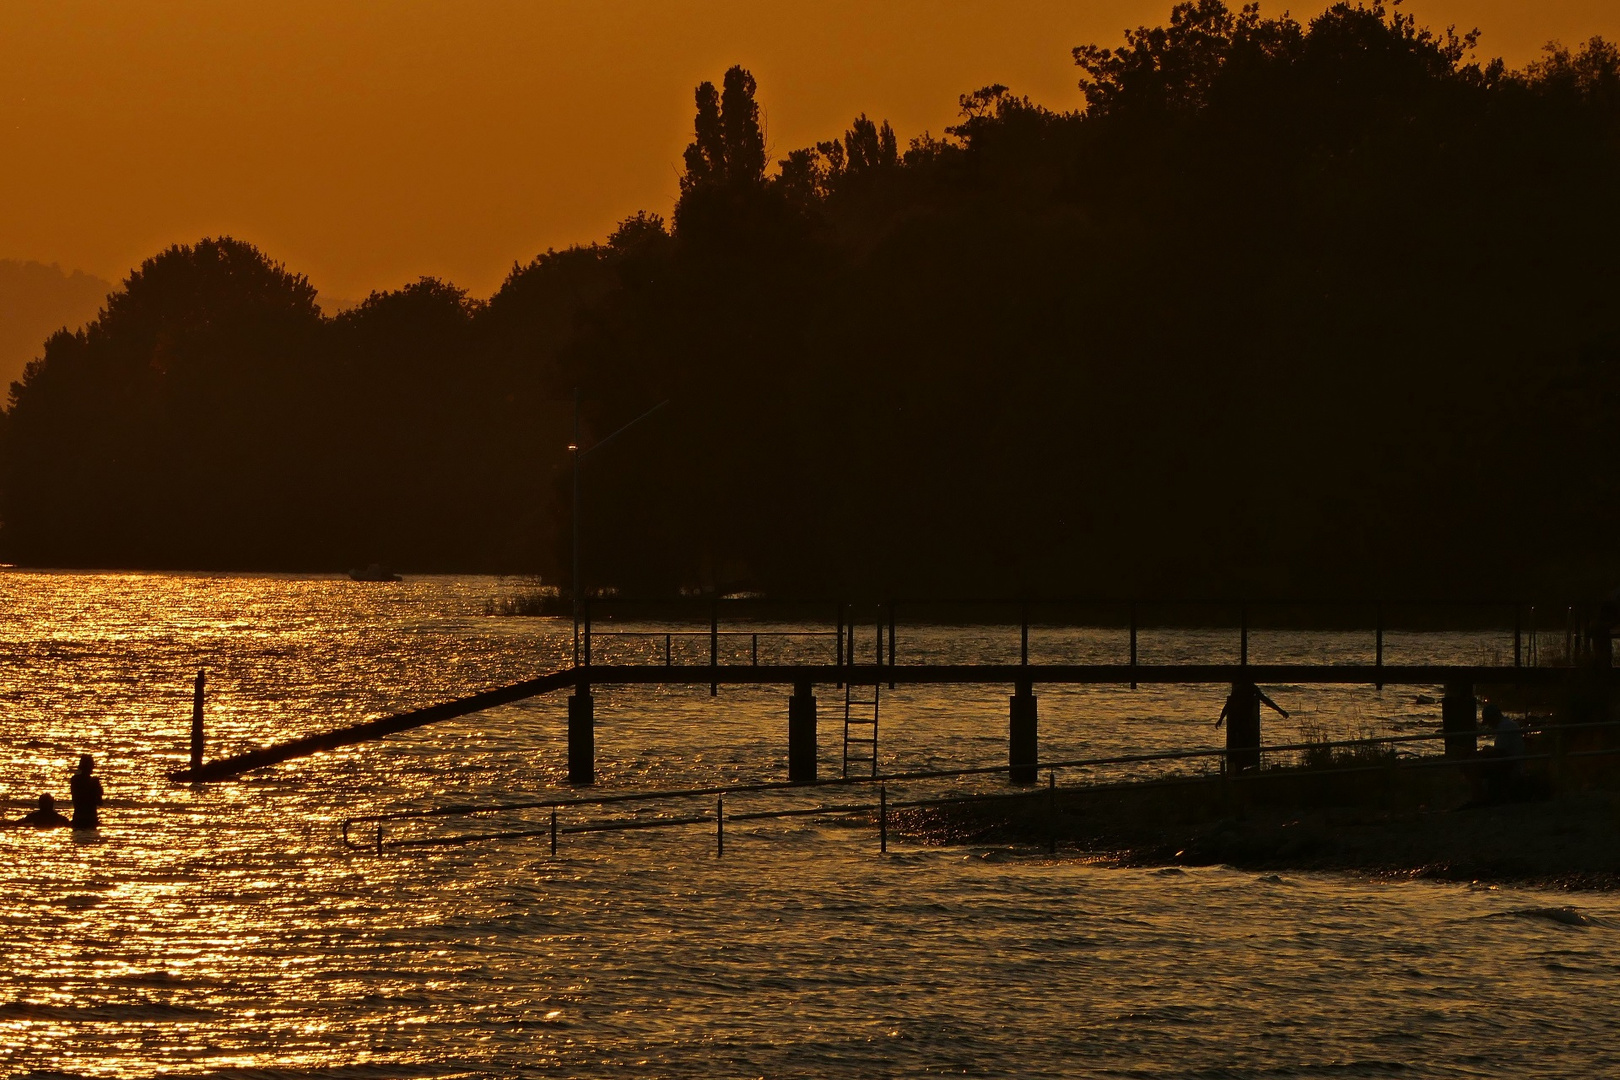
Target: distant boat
<point>374,572</point>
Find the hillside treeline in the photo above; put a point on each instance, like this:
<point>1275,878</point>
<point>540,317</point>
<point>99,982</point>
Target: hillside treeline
<point>1285,308</point>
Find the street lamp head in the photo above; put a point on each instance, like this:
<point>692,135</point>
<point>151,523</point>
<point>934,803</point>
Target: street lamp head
<point>573,448</point>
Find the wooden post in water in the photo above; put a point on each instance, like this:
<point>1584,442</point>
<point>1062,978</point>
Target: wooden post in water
<point>1022,743</point>
<point>883,819</point>
<point>581,736</point>
<point>1051,811</point>
<point>719,826</point>
<point>197,720</point>
<point>802,735</point>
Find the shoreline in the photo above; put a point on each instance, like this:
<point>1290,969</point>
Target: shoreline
<point>1391,829</point>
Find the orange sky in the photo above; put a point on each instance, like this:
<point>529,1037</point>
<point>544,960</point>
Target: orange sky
<point>366,144</point>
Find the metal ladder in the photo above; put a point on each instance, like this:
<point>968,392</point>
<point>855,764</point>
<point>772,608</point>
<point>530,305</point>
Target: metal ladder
<point>861,733</point>
<point>865,745</point>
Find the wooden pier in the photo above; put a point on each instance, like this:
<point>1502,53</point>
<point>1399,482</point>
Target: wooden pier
<point>1022,677</point>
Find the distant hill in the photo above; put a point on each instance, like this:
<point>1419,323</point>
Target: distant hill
<point>35,301</point>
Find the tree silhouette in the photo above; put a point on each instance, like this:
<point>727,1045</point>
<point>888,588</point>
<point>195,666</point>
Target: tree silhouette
<point>728,145</point>
<point>706,156</point>
<point>739,119</point>
<point>1285,308</point>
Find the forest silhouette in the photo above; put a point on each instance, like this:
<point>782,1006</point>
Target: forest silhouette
<point>1286,309</point>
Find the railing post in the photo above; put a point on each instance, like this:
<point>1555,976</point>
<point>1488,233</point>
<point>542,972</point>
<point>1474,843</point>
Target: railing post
<point>1243,635</point>
<point>1559,763</point>
<point>587,632</point>
<point>754,652</point>
<point>1518,635</point>
<point>714,648</point>
<point>1378,654</point>
<point>891,644</point>
<point>1023,636</point>
<point>554,831</point>
<point>838,633</point>
<point>719,826</point>
<point>668,651</point>
<point>1133,646</point>
<point>379,838</point>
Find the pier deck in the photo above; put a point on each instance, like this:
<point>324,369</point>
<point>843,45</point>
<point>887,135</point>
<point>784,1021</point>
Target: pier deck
<point>584,677</point>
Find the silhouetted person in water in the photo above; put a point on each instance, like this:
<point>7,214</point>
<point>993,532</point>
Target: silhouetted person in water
<point>1241,713</point>
<point>46,817</point>
<point>86,795</point>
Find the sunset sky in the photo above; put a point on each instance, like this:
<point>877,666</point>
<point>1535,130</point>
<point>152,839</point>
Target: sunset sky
<point>367,144</point>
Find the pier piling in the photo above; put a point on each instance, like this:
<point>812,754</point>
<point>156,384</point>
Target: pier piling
<point>802,735</point>
<point>1459,719</point>
<point>1022,750</point>
<point>581,736</point>
<point>1243,727</point>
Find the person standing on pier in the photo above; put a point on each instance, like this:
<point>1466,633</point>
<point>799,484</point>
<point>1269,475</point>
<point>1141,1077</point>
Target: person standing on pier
<point>87,795</point>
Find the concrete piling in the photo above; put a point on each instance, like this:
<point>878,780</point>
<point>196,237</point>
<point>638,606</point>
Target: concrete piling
<point>1459,720</point>
<point>802,735</point>
<point>1022,744</point>
<point>581,736</point>
<point>1243,727</point>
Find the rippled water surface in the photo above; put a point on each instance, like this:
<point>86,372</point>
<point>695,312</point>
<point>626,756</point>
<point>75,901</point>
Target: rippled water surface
<point>227,931</point>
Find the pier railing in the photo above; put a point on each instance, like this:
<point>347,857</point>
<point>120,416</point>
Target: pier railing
<point>868,635</point>
<point>376,841</point>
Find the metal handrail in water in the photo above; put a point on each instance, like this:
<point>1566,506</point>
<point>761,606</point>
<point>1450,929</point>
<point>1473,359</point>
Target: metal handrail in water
<point>884,779</point>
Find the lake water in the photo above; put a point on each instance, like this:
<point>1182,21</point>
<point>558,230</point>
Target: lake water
<point>226,930</point>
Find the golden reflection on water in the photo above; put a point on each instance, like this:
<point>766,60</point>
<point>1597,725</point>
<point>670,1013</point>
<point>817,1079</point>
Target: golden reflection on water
<point>224,928</point>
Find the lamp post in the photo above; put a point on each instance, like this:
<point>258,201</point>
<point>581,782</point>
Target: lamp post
<point>573,578</point>
<point>578,454</point>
